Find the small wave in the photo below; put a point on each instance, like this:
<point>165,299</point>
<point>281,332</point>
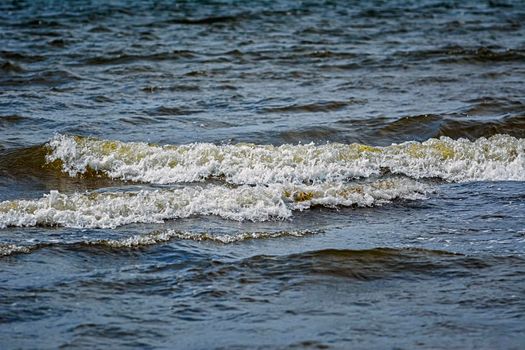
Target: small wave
<point>48,78</point>
<point>6,120</point>
<point>486,55</point>
<point>514,126</point>
<point>211,20</point>
<point>431,125</point>
<point>328,106</point>
<point>500,157</point>
<point>121,57</point>
<point>492,106</point>
<point>10,67</point>
<point>138,120</point>
<point>165,236</point>
<point>259,203</point>
<point>310,133</point>
<point>154,238</point>
<point>177,88</point>
<point>171,111</point>
<point>10,249</point>
<point>359,265</point>
<point>350,264</point>
<point>405,263</point>
<point>40,23</point>
<point>21,56</point>
<point>458,54</point>
<point>58,43</point>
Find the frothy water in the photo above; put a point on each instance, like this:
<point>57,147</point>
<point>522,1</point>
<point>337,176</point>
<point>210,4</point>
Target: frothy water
<point>259,203</point>
<point>499,158</point>
<point>262,175</point>
<point>153,238</point>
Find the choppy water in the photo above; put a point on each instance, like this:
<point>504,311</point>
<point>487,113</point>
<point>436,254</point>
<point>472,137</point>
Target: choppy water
<point>273,175</point>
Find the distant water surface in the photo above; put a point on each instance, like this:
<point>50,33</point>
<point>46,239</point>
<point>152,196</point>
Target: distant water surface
<point>277,174</point>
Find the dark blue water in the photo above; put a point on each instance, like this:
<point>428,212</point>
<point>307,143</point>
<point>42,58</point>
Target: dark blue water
<point>220,174</point>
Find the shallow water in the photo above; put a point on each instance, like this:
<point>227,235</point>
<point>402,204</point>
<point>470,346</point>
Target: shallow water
<point>272,175</point>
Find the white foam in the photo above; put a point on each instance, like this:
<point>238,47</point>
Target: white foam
<point>257,203</point>
<point>165,236</point>
<point>500,157</point>
<point>9,249</point>
<point>155,238</point>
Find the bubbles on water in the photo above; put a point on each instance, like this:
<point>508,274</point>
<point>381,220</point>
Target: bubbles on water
<point>500,157</point>
<point>243,203</point>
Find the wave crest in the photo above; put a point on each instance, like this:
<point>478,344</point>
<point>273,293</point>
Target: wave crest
<point>259,203</point>
<point>498,158</point>
<point>153,238</point>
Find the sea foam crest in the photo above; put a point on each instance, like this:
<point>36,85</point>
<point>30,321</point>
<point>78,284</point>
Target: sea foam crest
<point>9,249</point>
<point>152,238</point>
<point>255,203</point>
<point>159,237</point>
<point>500,157</point>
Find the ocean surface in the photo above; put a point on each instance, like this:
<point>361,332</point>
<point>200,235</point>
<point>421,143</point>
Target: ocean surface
<point>262,175</point>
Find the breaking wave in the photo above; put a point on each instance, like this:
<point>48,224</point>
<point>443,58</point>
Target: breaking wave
<point>249,182</point>
<point>257,203</point>
<point>498,158</point>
